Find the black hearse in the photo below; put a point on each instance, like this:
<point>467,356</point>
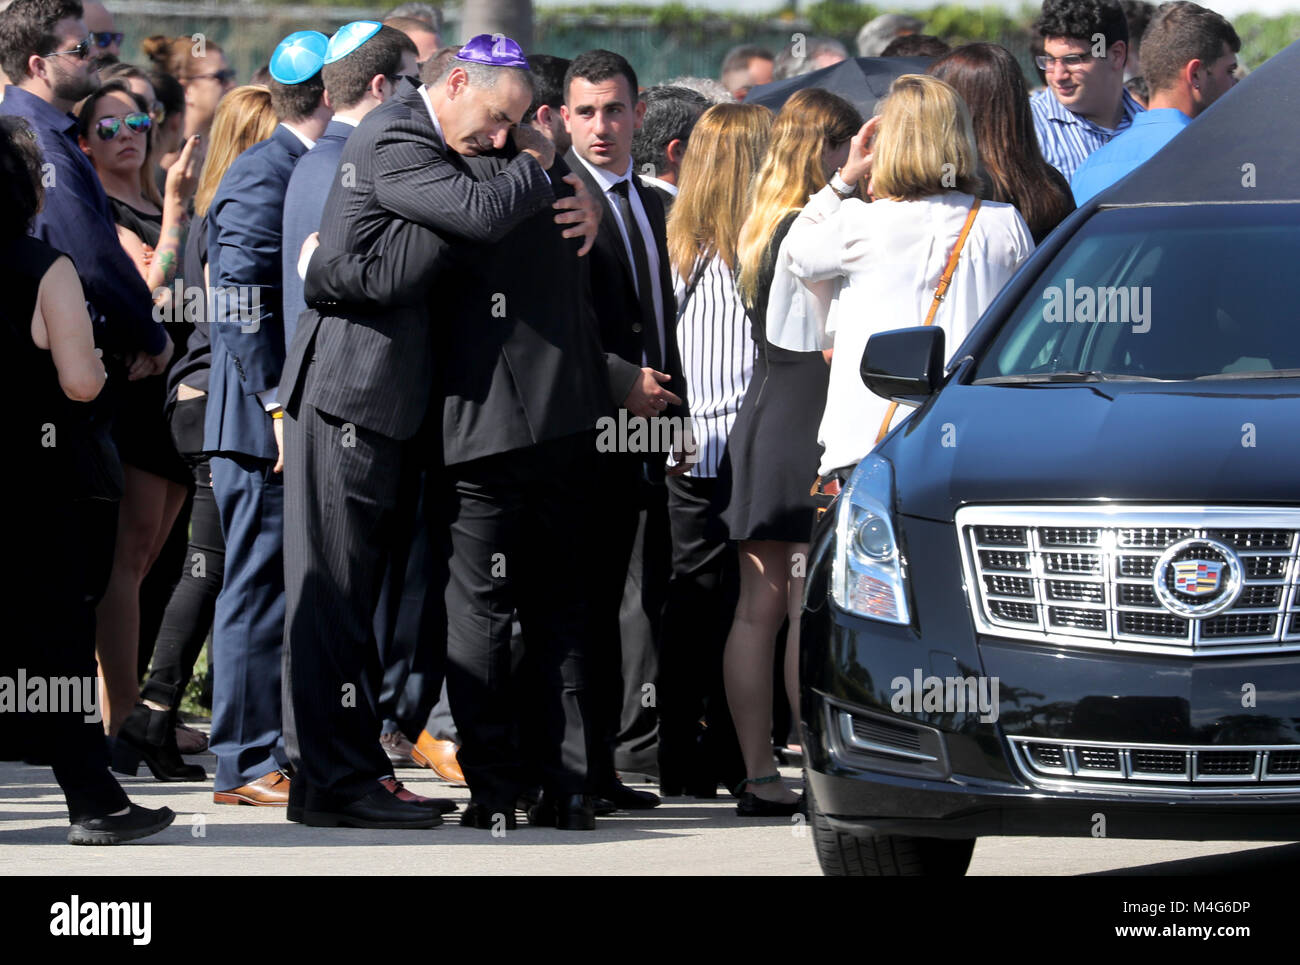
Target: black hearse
<point>1063,597</point>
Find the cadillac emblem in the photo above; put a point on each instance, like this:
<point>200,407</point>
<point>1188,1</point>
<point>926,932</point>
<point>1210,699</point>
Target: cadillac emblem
<point>1197,578</point>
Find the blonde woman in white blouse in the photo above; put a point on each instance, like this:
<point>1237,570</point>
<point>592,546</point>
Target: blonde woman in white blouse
<point>888,255</point>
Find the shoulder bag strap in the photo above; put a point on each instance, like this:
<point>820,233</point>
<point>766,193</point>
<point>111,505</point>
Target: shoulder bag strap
<point>944,281</point>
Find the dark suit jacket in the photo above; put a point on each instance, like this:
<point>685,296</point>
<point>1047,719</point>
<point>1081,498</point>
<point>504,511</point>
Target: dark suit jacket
<point>244,267</point>
<point>304,207</point>
<point>614,299</point>
<point>374,368</point>
<point>518,359</point>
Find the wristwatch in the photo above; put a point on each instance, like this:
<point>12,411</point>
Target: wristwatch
<point>841,187</point>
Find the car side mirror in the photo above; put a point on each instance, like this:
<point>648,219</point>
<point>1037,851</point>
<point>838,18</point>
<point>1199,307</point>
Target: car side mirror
<point>905,365</point>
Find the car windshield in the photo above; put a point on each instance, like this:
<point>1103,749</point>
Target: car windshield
<point>1161,292</point>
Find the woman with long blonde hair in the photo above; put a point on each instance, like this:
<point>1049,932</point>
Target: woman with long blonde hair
<point>772,448</point>
<point>697,743</point>
<point>888,257</point>
<point>150,733</point>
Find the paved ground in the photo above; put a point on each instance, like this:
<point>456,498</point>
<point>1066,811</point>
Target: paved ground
<point>681,837</point>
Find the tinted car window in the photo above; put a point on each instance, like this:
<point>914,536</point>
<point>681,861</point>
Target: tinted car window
<point>1169,293</point>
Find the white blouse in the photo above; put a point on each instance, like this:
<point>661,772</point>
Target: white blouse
<point>888,257</point>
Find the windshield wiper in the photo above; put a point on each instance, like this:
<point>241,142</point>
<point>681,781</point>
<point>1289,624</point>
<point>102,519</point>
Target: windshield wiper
<point>1090,376</point>
<point>1265,374</point>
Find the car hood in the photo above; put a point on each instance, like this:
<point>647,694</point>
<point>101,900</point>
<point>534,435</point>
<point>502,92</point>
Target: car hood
<point>1230,442</point>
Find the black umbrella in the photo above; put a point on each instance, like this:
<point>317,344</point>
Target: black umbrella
<point>862,81</point>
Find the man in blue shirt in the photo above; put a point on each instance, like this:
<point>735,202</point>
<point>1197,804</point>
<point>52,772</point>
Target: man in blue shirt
<point>1189,57</point>
<point>1085,105</point>
<point>42,52</point>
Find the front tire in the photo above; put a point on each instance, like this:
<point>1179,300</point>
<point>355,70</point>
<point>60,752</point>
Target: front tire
<point>844,855</point>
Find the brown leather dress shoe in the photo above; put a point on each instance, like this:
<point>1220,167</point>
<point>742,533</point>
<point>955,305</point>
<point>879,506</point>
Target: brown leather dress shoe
<point>439,757</point>
<point>269,790</point>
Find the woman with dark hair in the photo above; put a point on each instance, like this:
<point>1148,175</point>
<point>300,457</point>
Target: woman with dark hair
<point>152,733</point>
<point>166,99</point>
<point>64,489</point>
<point>1014,171</point>
<point>115,128</point>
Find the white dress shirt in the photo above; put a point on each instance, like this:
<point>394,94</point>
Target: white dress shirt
<point>889,256</point>
<point>607,181</point>
<point>437,125</point>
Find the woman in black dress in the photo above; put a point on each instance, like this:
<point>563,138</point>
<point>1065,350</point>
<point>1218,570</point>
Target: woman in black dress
<point>772,450</point>
<point>115,125</point>
<point>62,491</point>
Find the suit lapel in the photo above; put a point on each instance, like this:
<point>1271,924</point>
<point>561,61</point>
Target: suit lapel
<point>607,235</point>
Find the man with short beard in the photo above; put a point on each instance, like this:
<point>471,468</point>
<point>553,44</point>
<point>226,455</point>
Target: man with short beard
<point>42,52</point>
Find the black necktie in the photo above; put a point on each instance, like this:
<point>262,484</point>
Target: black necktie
<point>649,320</point>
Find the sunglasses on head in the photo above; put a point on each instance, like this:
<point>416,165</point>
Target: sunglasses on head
<point>105,40</point>
<point>136,121</point>
<point>81,51</point>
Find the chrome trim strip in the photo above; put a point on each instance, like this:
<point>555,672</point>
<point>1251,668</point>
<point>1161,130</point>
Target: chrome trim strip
<point>855,742</point>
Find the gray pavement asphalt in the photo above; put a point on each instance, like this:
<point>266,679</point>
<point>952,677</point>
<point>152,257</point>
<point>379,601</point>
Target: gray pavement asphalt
<point>682,836</point>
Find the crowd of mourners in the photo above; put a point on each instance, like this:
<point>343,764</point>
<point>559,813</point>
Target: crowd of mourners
<point>350,370</point>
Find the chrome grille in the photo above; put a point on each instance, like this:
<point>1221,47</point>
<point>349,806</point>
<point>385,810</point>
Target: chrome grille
<point>1085,576</point>
<point>1064,763</point>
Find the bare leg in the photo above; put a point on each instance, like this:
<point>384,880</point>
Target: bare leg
<point>148,509</point>
<point>747,660</point>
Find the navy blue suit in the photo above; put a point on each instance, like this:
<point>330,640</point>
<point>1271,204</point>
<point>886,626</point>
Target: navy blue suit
<point>304,206</point>
<point>244,264</point>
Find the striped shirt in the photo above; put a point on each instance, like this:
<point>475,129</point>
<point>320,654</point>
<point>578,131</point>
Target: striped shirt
<point>1067,138</point>
<point>717,359</point>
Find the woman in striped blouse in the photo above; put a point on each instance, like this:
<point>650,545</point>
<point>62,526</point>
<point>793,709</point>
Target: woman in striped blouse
<point>726,148</point>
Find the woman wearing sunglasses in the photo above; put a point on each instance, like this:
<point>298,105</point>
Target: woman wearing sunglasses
<point>115,128</point>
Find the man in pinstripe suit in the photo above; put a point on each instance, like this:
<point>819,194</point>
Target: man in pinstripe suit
<point>359,386</point>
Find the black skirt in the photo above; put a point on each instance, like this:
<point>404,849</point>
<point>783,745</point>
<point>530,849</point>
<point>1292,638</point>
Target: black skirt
<point>772,451</point>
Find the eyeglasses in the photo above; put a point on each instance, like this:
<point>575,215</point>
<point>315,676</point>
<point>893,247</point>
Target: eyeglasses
<point>137,121</point>
<point>220,76</point>
<point>81,51</point>
<point>105,40</point>
<point>1069,61</point>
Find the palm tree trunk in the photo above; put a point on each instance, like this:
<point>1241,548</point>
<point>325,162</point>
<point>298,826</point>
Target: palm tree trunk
<point>514,18</point>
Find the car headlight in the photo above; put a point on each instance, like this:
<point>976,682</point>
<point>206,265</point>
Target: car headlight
<point>868,575</point>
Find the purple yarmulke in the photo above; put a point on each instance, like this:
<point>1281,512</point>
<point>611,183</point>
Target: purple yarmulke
<point>495,50</point>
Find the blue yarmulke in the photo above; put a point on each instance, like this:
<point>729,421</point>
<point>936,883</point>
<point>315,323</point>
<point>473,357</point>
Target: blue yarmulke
<point>349,37</point>
<point>299,56</point>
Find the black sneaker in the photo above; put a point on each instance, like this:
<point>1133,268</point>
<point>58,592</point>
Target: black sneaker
<point>138,822</point>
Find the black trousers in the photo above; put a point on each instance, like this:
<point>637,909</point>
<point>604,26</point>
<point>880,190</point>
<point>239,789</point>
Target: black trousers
<point>629,586</point>
<point>350,497</point>
<point>697,739</point>
<point>188,618</point>
<point>49,602</point>
<point>518,532</point>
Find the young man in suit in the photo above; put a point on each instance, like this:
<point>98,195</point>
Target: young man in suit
<point>632,297</point>
<point>359,386</point>
<point>242,431</point>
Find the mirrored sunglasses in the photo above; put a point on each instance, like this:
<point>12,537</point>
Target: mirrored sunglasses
<point>137,121</point>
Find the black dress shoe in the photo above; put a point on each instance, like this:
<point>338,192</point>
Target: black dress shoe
<point>627,798</point>
<point>138,822</point>
<point>485,818</point>
<point>603,806</point>
<point>378,809</point>
<point>150,735</point>
<point>567,812</point>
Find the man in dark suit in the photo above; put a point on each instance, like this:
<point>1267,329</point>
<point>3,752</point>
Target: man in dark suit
<point>358,386</point>
<point>632,296</point>
<point>244,266</point>
<point>659,146</point>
